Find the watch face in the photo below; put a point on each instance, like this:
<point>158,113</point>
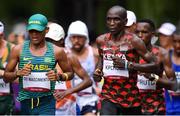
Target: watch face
<point>130,65</point>
<point>156,77</point>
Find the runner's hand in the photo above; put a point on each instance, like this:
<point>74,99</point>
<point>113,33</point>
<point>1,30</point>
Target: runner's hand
<point>58,95</point>
<point>52,75</point>
<point>118,62</point>
<point>25,71</point>
<point>1,73</point>
<point>97,76</point>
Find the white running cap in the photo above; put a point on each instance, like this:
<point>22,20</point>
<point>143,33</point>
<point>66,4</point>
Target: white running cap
<point>167,29</point>
<point>131,18</point>
<point>1,27</point>
<point>56,32</point>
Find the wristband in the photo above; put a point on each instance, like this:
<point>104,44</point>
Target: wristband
<point>156,77</point>
<point>129,65</point>
<point>126,64</point>
<point>66,76</point>
<point>59,78</point>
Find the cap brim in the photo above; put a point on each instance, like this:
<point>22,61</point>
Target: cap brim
<point>35,27</point>
<point>129,23</point>
<point>165,31</point>
<point>52,37</point>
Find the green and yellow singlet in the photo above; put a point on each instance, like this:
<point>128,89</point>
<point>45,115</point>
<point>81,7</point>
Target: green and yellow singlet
<point>5,87</point>
<point>36,84</point>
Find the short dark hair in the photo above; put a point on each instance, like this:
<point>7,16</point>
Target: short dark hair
<point>149,21</point>
<point>120,9</point>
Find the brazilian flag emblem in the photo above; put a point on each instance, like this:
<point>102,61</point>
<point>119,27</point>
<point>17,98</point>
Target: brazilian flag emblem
<point>47,59</point>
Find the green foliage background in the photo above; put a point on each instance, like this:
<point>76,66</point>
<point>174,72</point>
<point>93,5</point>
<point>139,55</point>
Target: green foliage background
<point>158,10</point>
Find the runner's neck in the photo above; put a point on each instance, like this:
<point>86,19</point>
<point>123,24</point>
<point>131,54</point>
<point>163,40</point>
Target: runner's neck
<point>38,50</point>
<point>117,37</point>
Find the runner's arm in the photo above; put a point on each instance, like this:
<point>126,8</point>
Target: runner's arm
<point>152,66</point>
<point>99,67</point>
<point>169,80</point>
<point>10,73</point>
<point>79,70</point>
<point>64,64</point>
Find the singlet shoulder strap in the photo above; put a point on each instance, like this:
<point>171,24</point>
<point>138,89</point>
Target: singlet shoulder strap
<point>50,51</point>
<point>26,45</point>
<point>50,47</point>
<point>25,48</point>
<point>7,51</point>
<point>9,47</point>
<point>90,50</point>
<point>107,36</point>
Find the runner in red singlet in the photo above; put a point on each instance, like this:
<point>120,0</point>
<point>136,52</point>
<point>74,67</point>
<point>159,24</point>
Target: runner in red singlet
<point>151,91</point>
<point>119,54</point>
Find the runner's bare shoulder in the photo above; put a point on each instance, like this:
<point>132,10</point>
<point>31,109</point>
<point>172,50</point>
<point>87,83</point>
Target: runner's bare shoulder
<point>136,39</point>
<point>16,49</point>
<point>164,54</point>
<point>58,50</point>
<point>137,43</point>
<point>100,39</point>
<point>72,59</point>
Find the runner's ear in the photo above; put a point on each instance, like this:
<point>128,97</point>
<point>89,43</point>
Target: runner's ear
<point>47,29</point>
<point>125,21</point>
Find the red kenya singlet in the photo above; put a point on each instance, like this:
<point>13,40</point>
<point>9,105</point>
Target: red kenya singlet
<point>119,85</point>
<point>152,96</point>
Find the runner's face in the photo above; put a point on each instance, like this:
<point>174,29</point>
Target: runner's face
<point>176,44</point>
<point>78,42</point>
<point>37,37</point>
<point>115,21</point>
<point>144,32</point>
<point>164,40</point>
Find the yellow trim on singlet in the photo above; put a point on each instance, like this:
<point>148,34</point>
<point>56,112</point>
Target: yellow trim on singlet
<point>32,103</point>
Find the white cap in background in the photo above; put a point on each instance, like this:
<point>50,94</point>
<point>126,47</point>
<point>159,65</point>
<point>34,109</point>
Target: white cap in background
<point>77,28</point>
<point>1,27</point>
<point>56,32</point>
<point>131,18</point>
<point>167,29</point>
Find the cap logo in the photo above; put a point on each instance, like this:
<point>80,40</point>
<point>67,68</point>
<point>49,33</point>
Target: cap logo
<point>35,22</point>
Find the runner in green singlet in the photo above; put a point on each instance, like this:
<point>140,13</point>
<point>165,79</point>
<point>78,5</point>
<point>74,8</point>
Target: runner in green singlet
<point>6,95</point>
<point>37,75</point>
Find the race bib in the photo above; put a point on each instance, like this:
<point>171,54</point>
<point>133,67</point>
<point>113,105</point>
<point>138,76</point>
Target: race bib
<point>110,70</point>
<point>36,82</point>
<point>145,84</point>
<point>4,87</point>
